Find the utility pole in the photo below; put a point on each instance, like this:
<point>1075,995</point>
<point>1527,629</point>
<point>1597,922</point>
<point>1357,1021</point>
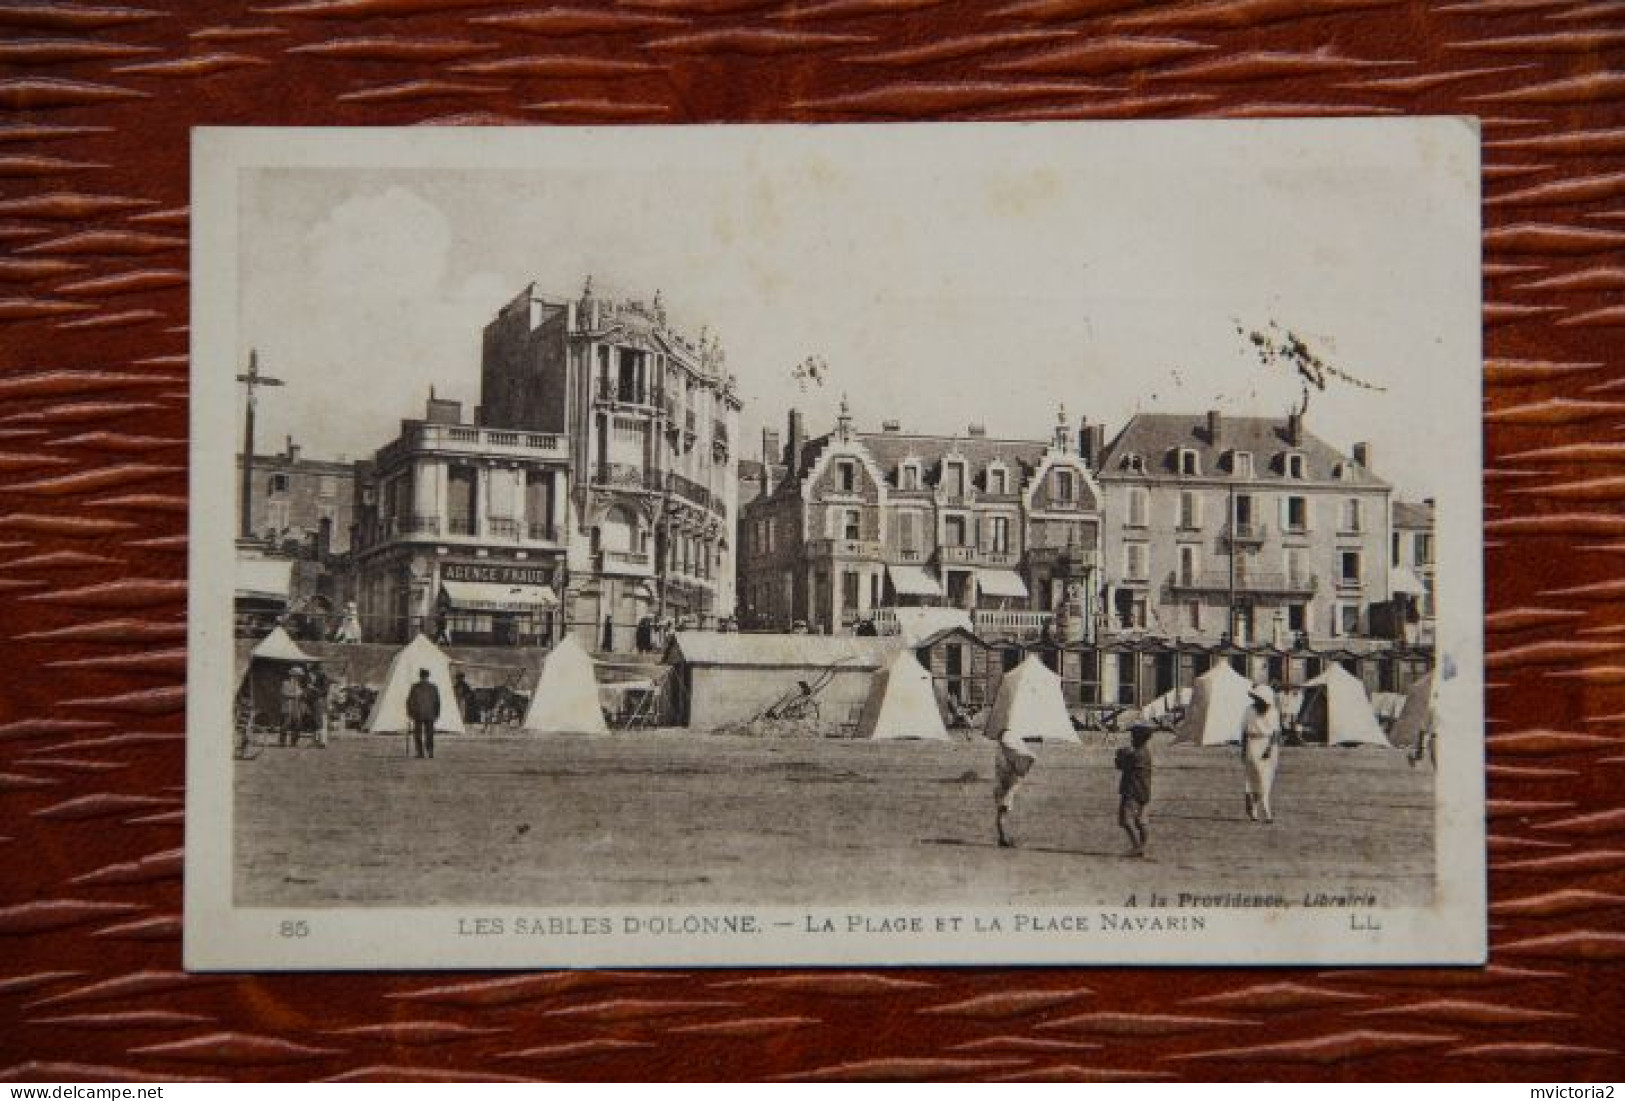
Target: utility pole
<point>253,379</point>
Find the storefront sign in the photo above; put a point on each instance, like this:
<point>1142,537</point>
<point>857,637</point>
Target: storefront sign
<point>502,575</point>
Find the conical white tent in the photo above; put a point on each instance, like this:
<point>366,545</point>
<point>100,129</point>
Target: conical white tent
<point>1030,704</point>
<point>1218,708</point>
<point>901,702</point>
<point>280,646</point>
<point>389,709</point>
<point>566,696</point>
<point>1350,718</point>
<point>1417,714</point>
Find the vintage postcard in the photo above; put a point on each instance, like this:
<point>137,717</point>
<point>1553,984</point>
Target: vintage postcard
<point>932,544</point>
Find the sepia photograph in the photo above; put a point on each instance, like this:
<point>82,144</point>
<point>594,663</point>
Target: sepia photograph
<point>961,543</point>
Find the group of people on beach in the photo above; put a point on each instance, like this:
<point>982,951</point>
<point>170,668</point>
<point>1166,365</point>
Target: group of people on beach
<point>1135,764</point>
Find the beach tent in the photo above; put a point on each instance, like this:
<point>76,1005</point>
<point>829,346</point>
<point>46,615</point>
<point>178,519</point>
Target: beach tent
<point>1218,707</point>
<point>389,709</point>
<point>566,696</point>
<point>1417,715</point>
<point>268,666</point>
<point>901,703</point>
<point>1336,710</point>
<point>1030,703</point>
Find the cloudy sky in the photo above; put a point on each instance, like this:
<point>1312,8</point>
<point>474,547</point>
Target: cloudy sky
<point>945,274</point>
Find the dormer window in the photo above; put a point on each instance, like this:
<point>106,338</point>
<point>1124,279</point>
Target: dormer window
<point>998,479</point>
<point>1294,465</point>
<point>908,476</point>
<point>1132,463</point>
<point>1241,464</point>
<point>953,478</point>
<point>1190,463</point>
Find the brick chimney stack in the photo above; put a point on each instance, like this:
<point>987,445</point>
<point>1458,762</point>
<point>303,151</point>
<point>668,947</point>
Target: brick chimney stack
<point>798,437</point>
<point>1215,427</point>
<point>1294,429</point>
<point>1362,455</point>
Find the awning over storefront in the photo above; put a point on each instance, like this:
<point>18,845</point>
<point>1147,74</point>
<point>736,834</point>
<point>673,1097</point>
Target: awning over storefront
<point>1403,580</point>
<point>913,581</point>
<point>493,596</point>
<point>264,579</point>
<point>1001,583</point>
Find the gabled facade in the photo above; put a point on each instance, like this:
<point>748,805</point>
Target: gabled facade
<point>1245,527</point>
<point>865,522</point>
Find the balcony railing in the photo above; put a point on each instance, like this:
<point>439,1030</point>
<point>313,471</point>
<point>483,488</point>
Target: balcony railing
<point>1249,582</point>
<point>620,475</point>
<point>867,549</point>
<point>978,556</point>
<point>616,392</point>
<point>1246,534</point>
<point>544,533</point>
<point>466,439</point>
<point>499,527</point>
<point>992,623</point>
<point>461,525</point>
<point>419,525</point>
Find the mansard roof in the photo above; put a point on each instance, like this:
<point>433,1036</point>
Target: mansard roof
<point>1158,437</point>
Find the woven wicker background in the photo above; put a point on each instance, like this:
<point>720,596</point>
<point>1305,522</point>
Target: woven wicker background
<point>97,100</point>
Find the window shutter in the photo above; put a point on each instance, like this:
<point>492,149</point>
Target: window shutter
<point>1286,512</point>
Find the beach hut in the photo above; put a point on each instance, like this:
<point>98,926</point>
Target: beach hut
<point>1337,711</point>
<point>1416,716</point>
<point>566,696</point>
<point>389,709</point>
<point>268,666</point>
<point>723,678</point>
<point>901,703</point>
<point>1031,704</point>
<point>1218,708</point>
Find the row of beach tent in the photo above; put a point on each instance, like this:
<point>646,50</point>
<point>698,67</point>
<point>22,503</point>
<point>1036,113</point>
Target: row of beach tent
<point>565,700</point>
<point>902,704</point>
<point>902,701</point>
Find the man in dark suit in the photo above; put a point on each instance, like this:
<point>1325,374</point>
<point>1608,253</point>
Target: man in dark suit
<point>423,708</point>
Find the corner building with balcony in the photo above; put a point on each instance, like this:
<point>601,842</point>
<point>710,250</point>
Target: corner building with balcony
<point>462,528</point>
<point>865,523</point>
<point>594,490</point>
<point>1247,529</point>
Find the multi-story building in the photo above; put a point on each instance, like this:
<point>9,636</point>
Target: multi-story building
<point>651,420</point>
<point>1246,528</point>
<point>597,482</point>
<point>302,501</point>
<point>861,523</point>
<point>462,531</point>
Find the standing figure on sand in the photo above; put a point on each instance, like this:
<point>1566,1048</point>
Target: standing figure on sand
<point>1134,764</point>
<point>422,709</point>
<point>1261,733</point>
<point>1010,767</point>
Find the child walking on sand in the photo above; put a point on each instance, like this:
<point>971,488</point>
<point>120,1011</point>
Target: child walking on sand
<point>1135,763</point>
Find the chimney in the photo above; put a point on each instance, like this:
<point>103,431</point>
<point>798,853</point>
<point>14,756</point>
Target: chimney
<point>1294,429</point>
<point>798,437</point>
<point>1215,422</point>
<point>1089,436</point>
<point>293,450</point>
<point>1362,455</point>
<point>771,447</point>
<point>893,426</point>
<point>976,431</point>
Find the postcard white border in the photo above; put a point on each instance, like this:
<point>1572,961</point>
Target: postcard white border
<point>222,936</point>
